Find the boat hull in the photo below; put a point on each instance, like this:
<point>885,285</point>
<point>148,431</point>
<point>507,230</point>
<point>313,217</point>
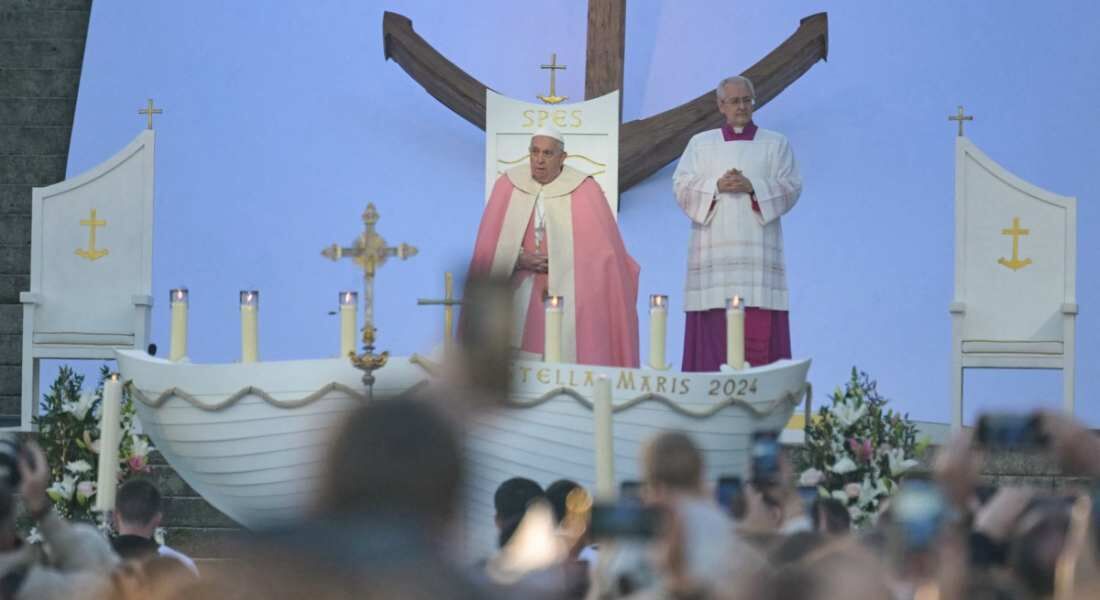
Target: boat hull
<point>250,437</point>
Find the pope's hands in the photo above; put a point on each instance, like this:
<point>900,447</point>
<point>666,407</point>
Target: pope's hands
<point>536,263</point>
<point>733,181</point>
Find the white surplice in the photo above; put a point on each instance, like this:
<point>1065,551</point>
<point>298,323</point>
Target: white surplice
<point>735,250</point>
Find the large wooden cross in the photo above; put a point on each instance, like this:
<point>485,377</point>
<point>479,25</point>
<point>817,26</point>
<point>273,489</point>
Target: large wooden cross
<point>645,145</point>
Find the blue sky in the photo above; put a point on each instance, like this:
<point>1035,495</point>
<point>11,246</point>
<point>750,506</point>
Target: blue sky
<point>282,120</point>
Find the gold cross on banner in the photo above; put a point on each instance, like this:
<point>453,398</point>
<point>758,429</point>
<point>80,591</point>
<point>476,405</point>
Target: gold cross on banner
<point>1015,263</point>
<point>91,252</point>
<point>149,111</point>
<point>553,67</point>
<point>962,116</point>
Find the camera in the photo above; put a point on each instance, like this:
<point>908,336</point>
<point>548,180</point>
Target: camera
<point>630,490</point>
<point>808,494</point>
<point>620,520</point>
<point>764,456</point>
<point>1010,431</point>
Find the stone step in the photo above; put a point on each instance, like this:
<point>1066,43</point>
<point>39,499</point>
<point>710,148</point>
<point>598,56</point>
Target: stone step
<point>206,543</point>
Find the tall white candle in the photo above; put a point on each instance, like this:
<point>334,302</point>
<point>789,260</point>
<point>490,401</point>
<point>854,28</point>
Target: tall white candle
<point>177,300</point>
<point>109,432</point>
<point>658,330</point>
<point>604,442</point>
<point>735,333</point>
<point>250,307</point>
<point>555,306</point>
<point>349,317</point>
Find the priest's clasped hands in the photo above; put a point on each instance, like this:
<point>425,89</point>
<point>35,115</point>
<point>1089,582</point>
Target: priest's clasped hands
<point>733,182</point>
<point>539,263</point>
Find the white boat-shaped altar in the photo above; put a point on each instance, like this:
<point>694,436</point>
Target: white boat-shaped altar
<point>249,437</point>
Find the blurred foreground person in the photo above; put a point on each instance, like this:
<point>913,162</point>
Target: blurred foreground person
<point>74,561</point>
<point>383,524</point>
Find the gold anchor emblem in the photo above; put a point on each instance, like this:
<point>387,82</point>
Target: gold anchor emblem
<point>553,68</point>
<point>92,253</point>
<point>1015,263</point>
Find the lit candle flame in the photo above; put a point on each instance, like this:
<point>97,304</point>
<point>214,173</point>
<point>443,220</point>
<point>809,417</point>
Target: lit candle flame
<point>114,376</point>
<point>658,301</point>
<point>735,302</point>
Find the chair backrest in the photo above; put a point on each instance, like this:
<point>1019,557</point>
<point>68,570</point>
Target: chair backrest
<point>1015,257</point>
<point>92,252</point>
<point>590,129</point>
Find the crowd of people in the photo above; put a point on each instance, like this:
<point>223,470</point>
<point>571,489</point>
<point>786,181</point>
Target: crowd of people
<point>385,524</point>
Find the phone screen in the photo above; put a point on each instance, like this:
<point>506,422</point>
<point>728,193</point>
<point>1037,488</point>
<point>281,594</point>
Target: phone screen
<point>765,456</point>
<point>624,520</point>
<point>729,488</point>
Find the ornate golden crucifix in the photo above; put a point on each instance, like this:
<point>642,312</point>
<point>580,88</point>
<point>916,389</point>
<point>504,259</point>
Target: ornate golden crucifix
<point>554,67</point>
<point>369,252</point>
<point>449,302</point>
<point>149,111</point>
<point>91,252</point>
<point>962,116</point>
<point>1015,263</point>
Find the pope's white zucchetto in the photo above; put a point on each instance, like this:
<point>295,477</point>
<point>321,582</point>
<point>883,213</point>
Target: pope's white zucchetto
<point>549,132</point>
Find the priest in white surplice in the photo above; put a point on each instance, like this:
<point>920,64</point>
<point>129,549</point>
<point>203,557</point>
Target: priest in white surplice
<point>734,183</point>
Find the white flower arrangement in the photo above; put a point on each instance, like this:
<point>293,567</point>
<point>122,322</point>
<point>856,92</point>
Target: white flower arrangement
<point>856,451</point>
<point>68,426</point>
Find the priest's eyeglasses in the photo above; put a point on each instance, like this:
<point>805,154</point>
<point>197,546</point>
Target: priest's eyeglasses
<point>745,100</point>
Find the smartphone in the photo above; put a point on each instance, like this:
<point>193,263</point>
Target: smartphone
<point>624,520</point>
<point>764,456</point>
<point>1010,431</point>
<point>919,512</point>
<point>809,495</point>
<point>727,491</point>
<point>630,491</point>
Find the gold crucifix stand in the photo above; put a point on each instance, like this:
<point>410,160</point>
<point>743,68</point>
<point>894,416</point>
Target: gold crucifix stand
<point>149,111</point>
<point>91,252</point>
<point>369,252</point>
<point>553,67</point>
<point>962,116</point>
<point>448,302</point>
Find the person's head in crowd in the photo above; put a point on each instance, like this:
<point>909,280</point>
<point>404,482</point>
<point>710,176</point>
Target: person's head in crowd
<point>796,547</point>
<point>672,466</point>
<point>557,494</point>
<point>830,517</point>
<point>763,510</point>
<point>138,508</point>
<point>394,457</point>
<point>511,501</point>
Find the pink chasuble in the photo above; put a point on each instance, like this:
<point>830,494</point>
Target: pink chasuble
<point>767,332</point>
<point>604,277</point>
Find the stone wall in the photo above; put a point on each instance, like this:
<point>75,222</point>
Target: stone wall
<point>41,53</point>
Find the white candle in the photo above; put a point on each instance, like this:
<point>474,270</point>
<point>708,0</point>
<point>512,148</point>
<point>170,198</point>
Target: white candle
<point>250,307</point>
<point>552,336</point>
<point>109,431</point>
<point>602,425</point>
<point>349,317</point>
<point>735,333</point>
<point>658,330</point>
<point>177,300</point>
